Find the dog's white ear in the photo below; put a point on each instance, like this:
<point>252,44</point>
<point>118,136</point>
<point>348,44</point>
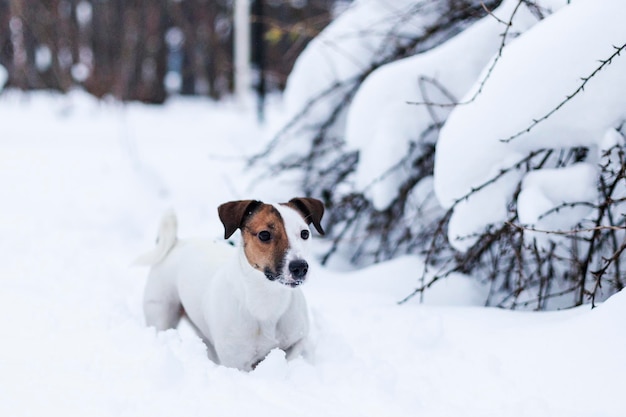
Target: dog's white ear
<point>233,213</point>
<point>312,210</point>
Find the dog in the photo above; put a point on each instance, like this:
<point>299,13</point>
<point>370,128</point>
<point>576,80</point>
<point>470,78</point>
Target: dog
<point>242,302</point>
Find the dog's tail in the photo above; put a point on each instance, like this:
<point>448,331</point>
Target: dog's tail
<point>165,241</point>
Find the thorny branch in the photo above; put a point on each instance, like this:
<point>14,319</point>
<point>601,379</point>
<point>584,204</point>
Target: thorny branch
<point>581,88</point>
<point>566,232</point>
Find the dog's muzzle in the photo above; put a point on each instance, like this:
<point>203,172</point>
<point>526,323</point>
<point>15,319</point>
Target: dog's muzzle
<point>297,274</point>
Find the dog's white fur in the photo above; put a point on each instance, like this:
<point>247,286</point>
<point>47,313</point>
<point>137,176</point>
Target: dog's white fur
<point>240,313</point>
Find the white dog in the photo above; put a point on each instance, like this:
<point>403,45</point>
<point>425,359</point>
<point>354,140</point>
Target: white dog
<point>244,302</point>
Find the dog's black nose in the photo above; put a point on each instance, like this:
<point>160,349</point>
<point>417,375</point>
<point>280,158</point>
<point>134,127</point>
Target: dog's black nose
<point>298,268</point>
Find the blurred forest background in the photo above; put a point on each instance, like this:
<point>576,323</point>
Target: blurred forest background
<point>147,49</point>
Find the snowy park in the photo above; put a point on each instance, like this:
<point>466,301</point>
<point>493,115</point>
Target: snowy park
<point>85,182</point>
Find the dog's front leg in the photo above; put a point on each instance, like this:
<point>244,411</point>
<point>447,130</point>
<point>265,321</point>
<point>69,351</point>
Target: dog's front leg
<point>300,348</point>
<point>293,329</point>
<point>235,356</point>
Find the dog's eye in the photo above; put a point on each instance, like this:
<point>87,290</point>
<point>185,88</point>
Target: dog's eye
<point>304,234</point>
<point>265,236</point>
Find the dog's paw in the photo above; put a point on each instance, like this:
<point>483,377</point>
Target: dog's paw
<point>274,366</point>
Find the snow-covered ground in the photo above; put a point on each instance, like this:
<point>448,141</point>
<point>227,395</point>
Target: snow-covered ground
<point>83,186</point>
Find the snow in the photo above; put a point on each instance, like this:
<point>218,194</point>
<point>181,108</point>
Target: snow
<point>441,75</point>
<point>537,71</point>
<point>544,203</point>
<point>84,184</point>
<point>542,191</point>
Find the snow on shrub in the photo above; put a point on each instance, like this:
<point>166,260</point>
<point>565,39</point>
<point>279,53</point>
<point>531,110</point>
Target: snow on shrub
<point>534,74</point>
<point>442,75</point>
<point>556,90</point>
<point>521,125</point>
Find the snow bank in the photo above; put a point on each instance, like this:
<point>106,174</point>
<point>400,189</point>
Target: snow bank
<point>535,73</point>
<point>441,75</point>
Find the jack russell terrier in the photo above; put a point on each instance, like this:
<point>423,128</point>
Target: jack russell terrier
<point>246,306</point>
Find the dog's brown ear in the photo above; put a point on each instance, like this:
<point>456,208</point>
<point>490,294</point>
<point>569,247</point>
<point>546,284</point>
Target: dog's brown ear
<point>312,209</point>
<point>233,213</point>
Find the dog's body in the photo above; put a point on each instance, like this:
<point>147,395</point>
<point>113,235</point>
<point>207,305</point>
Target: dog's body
<point>243,301</point>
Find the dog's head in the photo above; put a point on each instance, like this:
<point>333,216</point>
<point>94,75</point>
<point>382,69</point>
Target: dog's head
<point>275,237</point>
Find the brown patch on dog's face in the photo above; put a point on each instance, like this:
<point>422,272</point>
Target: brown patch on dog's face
<point>265,241</point>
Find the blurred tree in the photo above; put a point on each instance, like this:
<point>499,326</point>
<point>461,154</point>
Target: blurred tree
<point>6,47</point>
<point>22,53</point>
<point>144,49</point>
